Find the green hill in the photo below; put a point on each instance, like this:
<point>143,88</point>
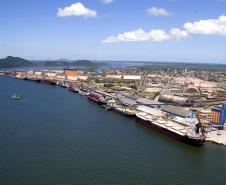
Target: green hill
<point>56,63</point>
<point>79,63</point>
<point>84,63</point>
<point>14,62</point>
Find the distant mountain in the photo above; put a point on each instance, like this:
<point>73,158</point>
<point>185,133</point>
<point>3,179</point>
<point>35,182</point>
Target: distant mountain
<point>78,63</point>
<point>84,63</point>
<point>56,63</point>
<point>14,62</point>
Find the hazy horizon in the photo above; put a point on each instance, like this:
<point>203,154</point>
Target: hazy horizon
<point>130,61</point>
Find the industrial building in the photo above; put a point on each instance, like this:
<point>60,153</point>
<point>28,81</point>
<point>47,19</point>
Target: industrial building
<point>180,112</point>
<point>70,72</point>
<point>218,115</point>
<point>175,100</point>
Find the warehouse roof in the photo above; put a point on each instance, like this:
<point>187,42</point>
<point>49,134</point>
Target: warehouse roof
<point>146,101</point>
<point>175,110</point>
<point>149,110</point>
<point>126,101</point>
<point>131,77</point>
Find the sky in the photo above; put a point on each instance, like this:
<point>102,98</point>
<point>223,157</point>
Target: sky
<point>122,30</point>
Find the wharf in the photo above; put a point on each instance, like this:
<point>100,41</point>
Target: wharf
<point>218,136</point>
<point>131,105</point>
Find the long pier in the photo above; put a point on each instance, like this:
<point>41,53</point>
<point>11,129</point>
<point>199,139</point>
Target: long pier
<point>216,136</point>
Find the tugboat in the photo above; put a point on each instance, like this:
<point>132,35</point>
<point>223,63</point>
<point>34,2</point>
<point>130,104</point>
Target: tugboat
<point>15,97</point>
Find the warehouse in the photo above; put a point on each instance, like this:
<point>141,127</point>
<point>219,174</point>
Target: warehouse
<point>178,111</point>
<point>218,115</point>
<point>150,111</point>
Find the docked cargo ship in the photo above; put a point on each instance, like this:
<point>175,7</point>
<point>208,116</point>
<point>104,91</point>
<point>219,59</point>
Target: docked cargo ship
<point>96,96</point>
<point>73,88</point>
<point>125,111</point>
<point>176,128</point>
<point>83,92</point>
<point>48,81</point>
<point>70,88</point>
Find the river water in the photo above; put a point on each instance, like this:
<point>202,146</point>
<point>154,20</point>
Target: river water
<point>55,137</point>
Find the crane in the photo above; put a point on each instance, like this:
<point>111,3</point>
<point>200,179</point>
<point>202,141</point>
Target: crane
<point>143,80</point>
<point>201,125</point>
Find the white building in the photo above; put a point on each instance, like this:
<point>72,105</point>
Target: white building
<point>51,75</point>
<point>38,73</point>
<point>61,77</point>
<point>72,78</point>
<point>83,78</point>
<point>131,77</point>
<point>114,77</point>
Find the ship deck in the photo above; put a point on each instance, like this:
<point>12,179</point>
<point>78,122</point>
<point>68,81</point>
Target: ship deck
<point>170,125</point>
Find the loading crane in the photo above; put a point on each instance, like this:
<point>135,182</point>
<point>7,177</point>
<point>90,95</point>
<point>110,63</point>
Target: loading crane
<point>201,125</point>
<point>144,77</point>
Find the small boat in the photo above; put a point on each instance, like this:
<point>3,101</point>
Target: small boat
<point>15,97</point>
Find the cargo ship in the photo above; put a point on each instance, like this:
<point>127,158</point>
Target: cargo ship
<point>38,80</point>
<point>129,112</point>
<point>83,92</point>
<point>96,96</point>
<point>73,88</point>
<point>180,131</point>
<point>70,88</point>
<point>47,81</point>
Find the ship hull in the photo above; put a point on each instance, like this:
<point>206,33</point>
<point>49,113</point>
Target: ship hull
<point>72,89</point>
<point>184,139</point>
<point>38,81</point>
<point>50,82</point>
<point>127,114</point>
<point>95,99</point>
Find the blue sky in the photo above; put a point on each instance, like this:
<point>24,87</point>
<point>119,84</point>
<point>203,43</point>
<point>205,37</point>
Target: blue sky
<point>36,29</point>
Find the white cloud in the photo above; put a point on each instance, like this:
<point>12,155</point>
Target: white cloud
<point>107,1</point>
<point>76,9</point>
<point>156,35</point>
<point>158,11</point>
<point>203,27</point>
<point>208,27</point>
<point>178,34</point>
